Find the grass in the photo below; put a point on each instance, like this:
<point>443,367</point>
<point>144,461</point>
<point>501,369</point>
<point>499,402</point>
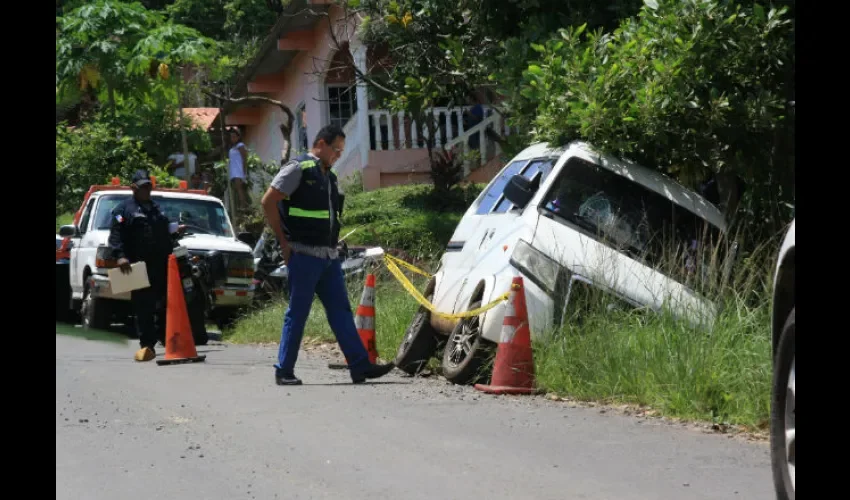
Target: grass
<point>409,217</point>
<point>621,357</point>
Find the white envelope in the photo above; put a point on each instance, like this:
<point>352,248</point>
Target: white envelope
<point>121,283</point>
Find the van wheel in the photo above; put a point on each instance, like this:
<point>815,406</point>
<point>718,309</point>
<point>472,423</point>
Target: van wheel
<point>95,313</point>
<point>783,428</point>
<point>419,342</point>
<point>466,353</point>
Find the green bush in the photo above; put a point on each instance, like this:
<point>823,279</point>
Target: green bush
<point>412,218</point>
<point>92,154</point>
<point>694,88</point>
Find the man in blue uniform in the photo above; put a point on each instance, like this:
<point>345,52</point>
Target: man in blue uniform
<point>140,233</point>
<point>303,206</point>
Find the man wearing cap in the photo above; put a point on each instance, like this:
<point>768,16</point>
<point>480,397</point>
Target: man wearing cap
<point>302,206</point>
<point>140,233</point>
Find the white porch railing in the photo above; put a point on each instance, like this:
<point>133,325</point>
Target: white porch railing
<point>389,131</point>
<point>351,130</point>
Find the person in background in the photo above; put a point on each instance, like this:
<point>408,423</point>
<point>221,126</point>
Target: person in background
<point>177,165</point>
<point>238,167</point>
<point>302,206</point>
<point>472,117</point>
<point>195,182</point>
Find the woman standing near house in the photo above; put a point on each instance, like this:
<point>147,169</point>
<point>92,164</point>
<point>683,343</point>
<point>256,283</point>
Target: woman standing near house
<point>238,166</point>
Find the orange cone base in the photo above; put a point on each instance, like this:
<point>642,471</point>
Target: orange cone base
<point>504,389</point>
<point>180,361</point>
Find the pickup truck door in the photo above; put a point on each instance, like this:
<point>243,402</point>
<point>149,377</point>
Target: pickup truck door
<point>78,261</point>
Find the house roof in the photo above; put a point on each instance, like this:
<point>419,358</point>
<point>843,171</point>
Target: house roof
<point>298,15</point>
<point>203,117</point>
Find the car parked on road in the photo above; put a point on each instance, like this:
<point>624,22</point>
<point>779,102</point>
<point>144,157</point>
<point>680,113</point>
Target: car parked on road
<point>783,401</point>
<point>564,219</point>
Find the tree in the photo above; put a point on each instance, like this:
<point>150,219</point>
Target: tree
<point>696,89</point>
<point>439,51</point>
<point>92,154</point>
<point>115,47</point>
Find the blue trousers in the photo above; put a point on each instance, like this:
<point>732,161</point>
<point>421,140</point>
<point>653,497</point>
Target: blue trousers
<point>310,276</point>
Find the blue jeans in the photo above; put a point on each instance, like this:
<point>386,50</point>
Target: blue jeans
<point>309,276</point>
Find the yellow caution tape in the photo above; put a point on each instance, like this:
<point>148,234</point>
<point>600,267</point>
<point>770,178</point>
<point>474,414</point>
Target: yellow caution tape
<point>393,263</point>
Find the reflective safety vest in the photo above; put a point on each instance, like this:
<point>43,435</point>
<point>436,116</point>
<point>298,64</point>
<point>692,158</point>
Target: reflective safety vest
<point>310,216</point>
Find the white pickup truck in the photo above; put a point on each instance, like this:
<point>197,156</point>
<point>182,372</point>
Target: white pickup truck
<point>208,233</point>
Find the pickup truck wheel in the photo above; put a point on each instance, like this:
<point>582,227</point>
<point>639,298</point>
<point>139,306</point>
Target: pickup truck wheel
<point>225,319</point>
<point>95,313</point>
<point>466,353</point>
<point>783,418</point>
<point>419,342</point>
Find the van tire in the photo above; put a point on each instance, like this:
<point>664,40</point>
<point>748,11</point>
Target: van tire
<point>468,368</point>
<point>419,342</point>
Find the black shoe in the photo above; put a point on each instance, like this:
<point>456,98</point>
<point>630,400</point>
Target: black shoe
<point>374,371</point>
<point>287,380</point>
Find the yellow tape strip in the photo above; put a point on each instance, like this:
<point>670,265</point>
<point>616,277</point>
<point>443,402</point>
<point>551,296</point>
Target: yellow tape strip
<point>391,263</point>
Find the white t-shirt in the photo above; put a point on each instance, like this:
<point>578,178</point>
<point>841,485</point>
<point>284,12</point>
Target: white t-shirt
<point>180,171</point>
<point>237,170</point>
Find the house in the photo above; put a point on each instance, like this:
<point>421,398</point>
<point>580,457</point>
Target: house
<point>299,65</point>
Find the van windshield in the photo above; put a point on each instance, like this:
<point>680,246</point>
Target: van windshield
<point>199,216</point>
<point>624,214</point>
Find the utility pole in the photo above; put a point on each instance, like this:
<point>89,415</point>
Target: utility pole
<point>183,136</point>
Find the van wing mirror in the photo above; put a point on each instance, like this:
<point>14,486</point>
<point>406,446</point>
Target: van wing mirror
<point>520,190</point>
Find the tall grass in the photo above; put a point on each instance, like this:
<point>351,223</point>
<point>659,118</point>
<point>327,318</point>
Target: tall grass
<point>606,352</point>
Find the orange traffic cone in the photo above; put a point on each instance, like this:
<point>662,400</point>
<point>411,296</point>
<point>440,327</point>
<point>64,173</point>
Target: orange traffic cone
<point>514,369</point>
<point>179,344</point>
<point>364,320</point>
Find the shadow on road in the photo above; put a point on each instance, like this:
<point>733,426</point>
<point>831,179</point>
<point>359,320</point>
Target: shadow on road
<point>349,384</point>
<point>117,333</point>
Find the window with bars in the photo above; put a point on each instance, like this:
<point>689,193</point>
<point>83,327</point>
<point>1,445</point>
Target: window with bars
<point>342,104</point>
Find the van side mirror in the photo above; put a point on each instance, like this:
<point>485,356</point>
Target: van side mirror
<point>68,231</point>
<point>520,190</point>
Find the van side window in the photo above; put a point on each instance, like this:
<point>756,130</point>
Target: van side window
<point>624,214</point>
<point>543,166</point>
<point>495,192</point>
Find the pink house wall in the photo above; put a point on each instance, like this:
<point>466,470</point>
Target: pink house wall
<point>302,86</point>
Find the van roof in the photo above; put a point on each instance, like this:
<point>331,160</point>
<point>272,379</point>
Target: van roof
<point>651,179</point>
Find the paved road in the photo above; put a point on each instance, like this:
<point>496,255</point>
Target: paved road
<point>223,430</point>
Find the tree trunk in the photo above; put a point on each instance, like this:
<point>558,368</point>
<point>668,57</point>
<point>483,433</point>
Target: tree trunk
<point>728,188</point>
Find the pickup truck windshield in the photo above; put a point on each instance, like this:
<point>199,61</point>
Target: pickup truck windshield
<point>199,216</point>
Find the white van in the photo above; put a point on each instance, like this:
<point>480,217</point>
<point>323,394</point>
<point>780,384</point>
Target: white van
<point>562,219</point>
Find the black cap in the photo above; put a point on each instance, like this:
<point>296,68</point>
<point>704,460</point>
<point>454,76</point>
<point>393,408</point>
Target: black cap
<point>141,177</point>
